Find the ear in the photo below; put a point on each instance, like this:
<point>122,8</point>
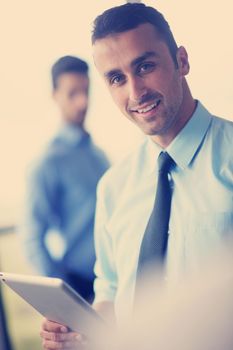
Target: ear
<point>182,60</point>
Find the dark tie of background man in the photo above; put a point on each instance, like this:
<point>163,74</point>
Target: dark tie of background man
<point>154,243</point>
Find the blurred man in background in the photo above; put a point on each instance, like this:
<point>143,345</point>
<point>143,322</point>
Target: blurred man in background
<point>62,188</point>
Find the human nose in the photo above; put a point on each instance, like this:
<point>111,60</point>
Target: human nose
<point>137,89</point>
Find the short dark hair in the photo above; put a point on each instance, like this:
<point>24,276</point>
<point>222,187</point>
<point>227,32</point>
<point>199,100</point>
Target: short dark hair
<point>122,18</point>
<point>67,64</point>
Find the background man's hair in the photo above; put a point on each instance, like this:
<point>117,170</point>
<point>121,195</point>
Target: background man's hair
<point>129,16</point>
<point>67,64</point>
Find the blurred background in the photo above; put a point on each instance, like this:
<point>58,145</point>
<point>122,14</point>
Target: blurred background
<point>33,34</point>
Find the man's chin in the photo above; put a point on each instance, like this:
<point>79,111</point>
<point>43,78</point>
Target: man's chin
<point>151,130</point>
<point>156,125</point>
<point>156,128</point>
<point>79,120</point>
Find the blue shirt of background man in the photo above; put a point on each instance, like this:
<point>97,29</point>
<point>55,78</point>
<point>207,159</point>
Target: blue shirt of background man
<point>61,203</point>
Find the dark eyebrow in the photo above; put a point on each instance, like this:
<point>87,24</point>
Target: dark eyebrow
<point>142,58</point>
<point>111,73</point>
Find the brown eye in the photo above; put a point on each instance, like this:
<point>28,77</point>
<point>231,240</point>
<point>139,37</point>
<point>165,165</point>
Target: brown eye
<point>146,68</point>
<point>117,80</point>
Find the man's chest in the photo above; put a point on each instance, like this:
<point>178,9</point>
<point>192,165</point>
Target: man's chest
<point>201,216</point>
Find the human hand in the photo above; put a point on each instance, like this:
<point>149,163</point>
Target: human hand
<point>58,336</point>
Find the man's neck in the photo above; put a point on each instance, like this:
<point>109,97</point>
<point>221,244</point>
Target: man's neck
<point>75,125</point>
<point>185,113</point>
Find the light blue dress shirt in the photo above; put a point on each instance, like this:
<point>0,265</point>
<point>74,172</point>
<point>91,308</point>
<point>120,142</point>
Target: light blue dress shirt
<point>58,234</point>
<point>201,211</point>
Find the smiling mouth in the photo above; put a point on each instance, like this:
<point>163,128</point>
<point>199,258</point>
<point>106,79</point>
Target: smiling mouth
<point>147,108</point>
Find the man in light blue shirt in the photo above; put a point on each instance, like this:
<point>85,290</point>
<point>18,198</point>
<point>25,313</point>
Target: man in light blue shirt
<point>62,187</point>
<point>201,212</point>
<point>145,71</point>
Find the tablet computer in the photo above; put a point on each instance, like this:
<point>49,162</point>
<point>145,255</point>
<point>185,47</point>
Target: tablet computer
<point>57,301</point>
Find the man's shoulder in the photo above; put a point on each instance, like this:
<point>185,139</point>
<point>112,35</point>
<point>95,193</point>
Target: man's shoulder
<point>54,150</point>
<point>99,155</point>
<point>44,162</point>
<point>219,122</point>
<point>115,179</point>
<point>222,148</point>
<point>222,130</point>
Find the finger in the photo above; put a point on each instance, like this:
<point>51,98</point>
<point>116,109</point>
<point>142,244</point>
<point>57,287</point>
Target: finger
<point>81,339</point>
<point>59,336</point>
<point>51,345</point>
<point>51,326</point>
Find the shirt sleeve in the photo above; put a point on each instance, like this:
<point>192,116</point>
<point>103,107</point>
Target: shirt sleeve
<point>40,217</point>
<point>105,285</point>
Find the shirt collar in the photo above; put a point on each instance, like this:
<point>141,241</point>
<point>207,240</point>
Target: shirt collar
<point>183,148</point>
<point>72,134</point>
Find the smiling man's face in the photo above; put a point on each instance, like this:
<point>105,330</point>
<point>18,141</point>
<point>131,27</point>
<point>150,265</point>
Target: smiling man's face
<point>142,77</point>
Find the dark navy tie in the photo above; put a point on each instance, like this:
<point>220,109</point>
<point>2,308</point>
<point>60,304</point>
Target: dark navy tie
<point>154,243</point>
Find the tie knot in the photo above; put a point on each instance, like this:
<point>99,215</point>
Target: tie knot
<point>165,163</point>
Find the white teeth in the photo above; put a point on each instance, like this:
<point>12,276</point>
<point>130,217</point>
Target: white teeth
<point>149,108</point>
